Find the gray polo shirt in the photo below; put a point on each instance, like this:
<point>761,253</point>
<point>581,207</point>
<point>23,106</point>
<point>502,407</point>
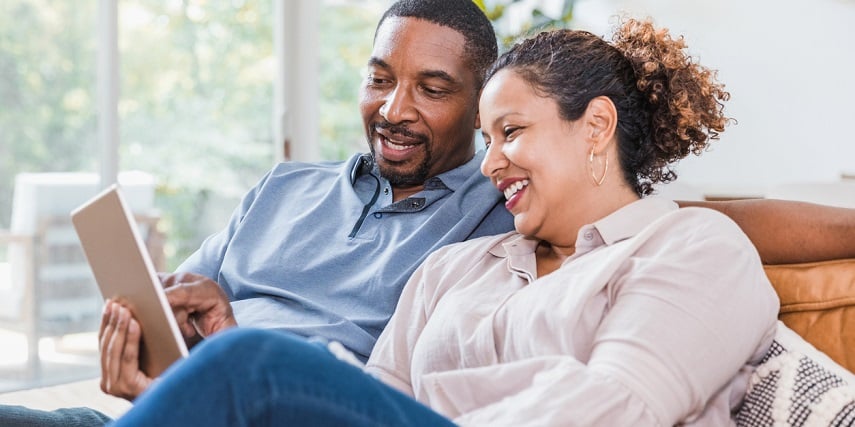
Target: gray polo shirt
<point>320,249</point>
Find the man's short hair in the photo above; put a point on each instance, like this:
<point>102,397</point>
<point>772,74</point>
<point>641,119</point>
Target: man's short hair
<point>463,16</point>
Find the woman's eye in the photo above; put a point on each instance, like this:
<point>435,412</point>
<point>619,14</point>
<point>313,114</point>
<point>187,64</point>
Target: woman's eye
<point>510,131</point>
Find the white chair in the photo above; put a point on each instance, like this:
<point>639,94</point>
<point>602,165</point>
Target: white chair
<point>836,193</point>
<point>49,289</point>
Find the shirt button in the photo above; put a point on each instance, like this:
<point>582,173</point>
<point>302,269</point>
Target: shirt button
<point>378,215</point>
<point>589,235</point>
<point>386,190</point>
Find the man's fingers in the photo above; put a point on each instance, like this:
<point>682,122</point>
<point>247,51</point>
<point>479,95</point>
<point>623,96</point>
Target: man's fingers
<point>196,295</point>
<point>104,337</point>
<point>105,317</point>
<point>112,346</point>
<point>185,323</point>
<point>202,304</point>
<point>120,349</point>
<point>169,280</point>
<point>130,362</point>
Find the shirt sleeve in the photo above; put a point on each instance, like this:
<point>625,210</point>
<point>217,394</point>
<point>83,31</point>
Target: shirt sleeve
<point>688,310</point>
<point>208,259</point>
<point>391,358</point>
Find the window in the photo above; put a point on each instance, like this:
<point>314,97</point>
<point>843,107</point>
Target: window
<point>345,38</point>
<point>195,122</point>
<point>195,108</point>
<point>194,114</point>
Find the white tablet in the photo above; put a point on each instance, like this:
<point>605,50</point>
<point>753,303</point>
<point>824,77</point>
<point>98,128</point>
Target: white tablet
<point>124,271</point>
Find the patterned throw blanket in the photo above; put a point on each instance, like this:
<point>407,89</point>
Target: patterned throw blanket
<point>792,389</point>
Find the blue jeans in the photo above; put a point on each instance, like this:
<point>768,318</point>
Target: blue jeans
<point>247,377</point>
<point>19,416</point>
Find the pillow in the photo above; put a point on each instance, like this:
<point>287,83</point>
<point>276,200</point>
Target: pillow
<point>818,302</point>
<point>796,385</point>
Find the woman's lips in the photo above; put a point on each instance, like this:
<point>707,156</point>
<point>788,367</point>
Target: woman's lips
<point>513,190</point>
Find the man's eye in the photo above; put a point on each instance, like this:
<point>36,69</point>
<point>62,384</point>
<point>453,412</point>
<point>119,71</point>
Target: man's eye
<point>374,80</point>
<point>434,92</point>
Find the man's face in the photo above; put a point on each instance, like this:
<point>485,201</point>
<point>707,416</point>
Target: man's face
<point>418,101</point>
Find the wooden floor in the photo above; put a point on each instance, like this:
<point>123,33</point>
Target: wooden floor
<point>62,360</point>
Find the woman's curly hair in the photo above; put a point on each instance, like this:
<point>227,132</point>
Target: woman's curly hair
<point>667,105</point>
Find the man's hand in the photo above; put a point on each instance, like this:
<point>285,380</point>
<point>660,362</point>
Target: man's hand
<point>119,341</point>
<point>200,306</point>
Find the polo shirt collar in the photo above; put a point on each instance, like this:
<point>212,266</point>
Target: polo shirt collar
<point>455,178</point>
<point>362,164</point>
<point>451,179</point>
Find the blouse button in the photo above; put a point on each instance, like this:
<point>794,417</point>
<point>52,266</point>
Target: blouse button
<point>378,215</point>
<point>589,235</point>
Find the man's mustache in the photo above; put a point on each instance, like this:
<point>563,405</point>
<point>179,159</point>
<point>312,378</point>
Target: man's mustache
<point>399,130</point>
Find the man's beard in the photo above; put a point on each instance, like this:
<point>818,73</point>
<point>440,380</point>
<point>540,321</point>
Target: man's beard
<point>419,175</point>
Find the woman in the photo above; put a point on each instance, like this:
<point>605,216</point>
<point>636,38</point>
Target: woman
<point>603,308</point>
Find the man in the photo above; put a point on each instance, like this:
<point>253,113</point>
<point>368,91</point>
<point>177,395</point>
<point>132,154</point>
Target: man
<point>324,249</point>
<point>338,277</point>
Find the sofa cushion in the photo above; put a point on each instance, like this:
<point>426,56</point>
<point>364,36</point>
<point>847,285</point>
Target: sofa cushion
<point>818,302</point>
<point>791,388</point>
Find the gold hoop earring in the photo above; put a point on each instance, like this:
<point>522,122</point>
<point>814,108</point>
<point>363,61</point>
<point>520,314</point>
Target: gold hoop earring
<point>598,181</point>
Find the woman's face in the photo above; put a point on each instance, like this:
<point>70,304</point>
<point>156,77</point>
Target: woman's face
<point>536,158</point>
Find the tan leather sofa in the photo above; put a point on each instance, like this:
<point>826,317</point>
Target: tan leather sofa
<point>818,302</point>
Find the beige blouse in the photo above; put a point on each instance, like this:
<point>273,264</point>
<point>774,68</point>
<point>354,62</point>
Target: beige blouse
<point>657,319</point>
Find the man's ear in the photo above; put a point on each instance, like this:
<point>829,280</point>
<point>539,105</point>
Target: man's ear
<point>601,121</point>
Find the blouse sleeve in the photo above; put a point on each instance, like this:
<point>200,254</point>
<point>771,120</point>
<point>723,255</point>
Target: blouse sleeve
<point>391,357</point>
<point>688,310</point>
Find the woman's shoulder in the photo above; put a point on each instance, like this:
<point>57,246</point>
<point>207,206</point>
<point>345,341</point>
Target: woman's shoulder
<point>702,218</point>
<point>688,230</point>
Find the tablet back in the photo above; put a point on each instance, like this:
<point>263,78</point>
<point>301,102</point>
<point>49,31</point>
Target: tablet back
<point>124,271</point>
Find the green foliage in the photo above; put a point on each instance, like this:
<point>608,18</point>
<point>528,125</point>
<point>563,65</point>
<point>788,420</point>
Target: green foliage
<point>196,94</point>
<point>499,12</point>
<point>196,91</point>
<point>346,35</point>
<point>47,91</point>
<point>196,105</point>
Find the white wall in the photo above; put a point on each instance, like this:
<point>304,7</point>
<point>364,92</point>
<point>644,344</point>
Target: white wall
<point>790,68</point>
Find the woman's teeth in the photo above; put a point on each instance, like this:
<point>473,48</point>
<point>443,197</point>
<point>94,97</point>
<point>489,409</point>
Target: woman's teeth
<point>513,188</point>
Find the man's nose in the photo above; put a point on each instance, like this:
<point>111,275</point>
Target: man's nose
<point>399,106</point>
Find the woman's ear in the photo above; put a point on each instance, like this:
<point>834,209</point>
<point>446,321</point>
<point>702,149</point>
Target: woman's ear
<point>601,120</point>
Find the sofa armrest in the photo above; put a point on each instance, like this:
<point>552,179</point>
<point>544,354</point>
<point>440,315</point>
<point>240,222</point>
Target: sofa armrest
<point>818,302</point>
